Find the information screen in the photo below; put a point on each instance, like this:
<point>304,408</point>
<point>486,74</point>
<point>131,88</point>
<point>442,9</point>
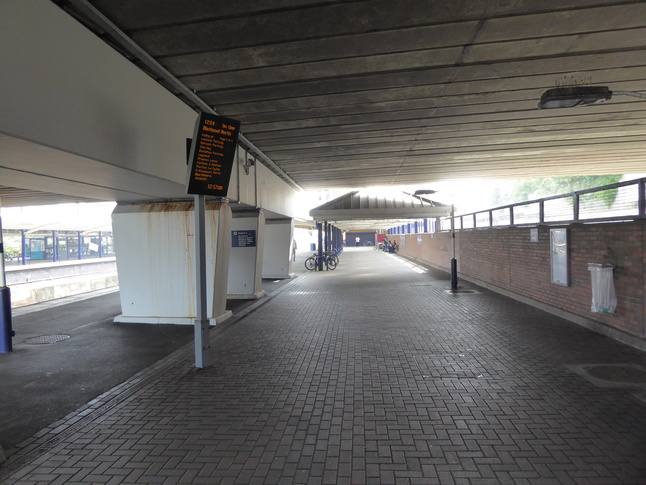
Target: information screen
<point>212,154</point>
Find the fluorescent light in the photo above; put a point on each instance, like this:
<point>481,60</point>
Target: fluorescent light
<point>573,96</point>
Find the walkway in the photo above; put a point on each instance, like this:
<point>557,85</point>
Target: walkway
<point>372,373</point>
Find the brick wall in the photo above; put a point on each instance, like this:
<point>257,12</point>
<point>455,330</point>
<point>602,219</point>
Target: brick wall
<point>505,258</point>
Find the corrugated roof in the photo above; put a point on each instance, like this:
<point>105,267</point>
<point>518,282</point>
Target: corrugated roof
<point>366,210</point>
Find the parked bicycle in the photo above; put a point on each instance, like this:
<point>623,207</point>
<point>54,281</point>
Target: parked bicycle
<point>329,259</point>
<point>332,254</point>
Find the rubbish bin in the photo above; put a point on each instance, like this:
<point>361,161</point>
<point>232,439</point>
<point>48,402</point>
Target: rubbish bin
<point>313,247</point>
<point>604,299</point>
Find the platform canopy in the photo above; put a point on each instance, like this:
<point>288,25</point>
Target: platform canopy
<point>359,210</point>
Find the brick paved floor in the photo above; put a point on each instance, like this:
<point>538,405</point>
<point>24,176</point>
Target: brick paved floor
<point>372,373</point>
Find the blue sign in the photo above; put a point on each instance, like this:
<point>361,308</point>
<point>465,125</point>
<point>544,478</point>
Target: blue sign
<point>243,239</point>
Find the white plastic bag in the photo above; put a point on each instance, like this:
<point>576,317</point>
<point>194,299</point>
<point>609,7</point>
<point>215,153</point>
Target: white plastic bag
<point>604,299</point>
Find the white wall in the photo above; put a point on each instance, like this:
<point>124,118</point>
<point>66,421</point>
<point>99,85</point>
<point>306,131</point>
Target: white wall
<point>155,251</point>
<point>243,186</point>
<point>277,261</point>
<point>245,264</point>
<point>261,187</point>
<point>65,88</point>
<point>79,118</point>
<point>274,194</point>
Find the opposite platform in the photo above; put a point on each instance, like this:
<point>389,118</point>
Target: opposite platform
<point>372,373</point>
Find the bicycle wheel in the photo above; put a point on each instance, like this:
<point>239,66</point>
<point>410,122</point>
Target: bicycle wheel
<point>331,255</point>
<point>310,264</point>
<point>331,264</point>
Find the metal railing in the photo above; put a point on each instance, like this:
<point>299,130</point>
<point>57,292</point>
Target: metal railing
<point>617,202</point>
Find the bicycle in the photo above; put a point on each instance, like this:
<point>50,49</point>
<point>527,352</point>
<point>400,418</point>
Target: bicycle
<point>333,255</point>
<point>329,259</point>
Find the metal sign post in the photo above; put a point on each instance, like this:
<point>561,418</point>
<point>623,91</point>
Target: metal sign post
<point>454,262</point>
<point>211,157</point>
<point>202,334</point>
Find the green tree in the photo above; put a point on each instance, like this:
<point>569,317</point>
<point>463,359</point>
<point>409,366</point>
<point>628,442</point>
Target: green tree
<point>11,247</point>
<point>537,188</point>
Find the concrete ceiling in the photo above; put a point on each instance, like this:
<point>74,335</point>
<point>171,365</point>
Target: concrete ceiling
<point>344,94</point>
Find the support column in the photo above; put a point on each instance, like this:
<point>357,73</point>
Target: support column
<point>327,227</point>
<point>155,250</point>
<point>319,230</point>
<point>277,261</point>
<point>55,248</point>
<point>245,262</point>
<point>6,332</point>
<point>339,240</point>
<point>223,243</point>
<point>23,244</point>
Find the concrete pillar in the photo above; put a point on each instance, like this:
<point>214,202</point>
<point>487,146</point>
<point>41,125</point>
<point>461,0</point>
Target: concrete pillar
<point>245,261</point>
<point>277,261</point>
<point>222,263</point>
<point>154,246</point>
<point>55,247</point>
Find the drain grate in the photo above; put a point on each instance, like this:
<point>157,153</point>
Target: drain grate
<point>618,373</point>
<point>46,339</point>
<point>612,375</point>
<point>460,291</point>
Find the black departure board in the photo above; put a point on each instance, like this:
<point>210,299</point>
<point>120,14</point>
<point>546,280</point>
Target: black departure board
<point>212,155</point>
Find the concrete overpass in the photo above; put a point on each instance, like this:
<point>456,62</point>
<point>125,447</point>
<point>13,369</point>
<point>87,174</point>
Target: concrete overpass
<point>101,96</point>
<point>336,94</point>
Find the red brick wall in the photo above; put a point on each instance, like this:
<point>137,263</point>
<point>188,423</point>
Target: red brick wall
<point>506,258</point>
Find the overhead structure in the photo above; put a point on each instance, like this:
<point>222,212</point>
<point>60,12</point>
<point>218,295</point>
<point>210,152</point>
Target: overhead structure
<point>387,93</point>
<point>375,92</point>
<point>358,210</point>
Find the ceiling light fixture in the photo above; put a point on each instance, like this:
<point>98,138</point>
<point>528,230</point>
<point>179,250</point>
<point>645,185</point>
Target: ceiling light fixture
<point>580,96</point>
<point>573,96</point>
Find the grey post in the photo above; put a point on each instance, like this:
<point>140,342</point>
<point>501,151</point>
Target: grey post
<point>202,333</point>
<point>454,262</point>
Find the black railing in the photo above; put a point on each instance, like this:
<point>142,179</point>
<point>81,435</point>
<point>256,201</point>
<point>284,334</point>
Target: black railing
<point>617,202</point>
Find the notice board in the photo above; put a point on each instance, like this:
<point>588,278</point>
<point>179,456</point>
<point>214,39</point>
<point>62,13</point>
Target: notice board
<point>559,259</point>
<point>212,155</point>
<point>243,239</point>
